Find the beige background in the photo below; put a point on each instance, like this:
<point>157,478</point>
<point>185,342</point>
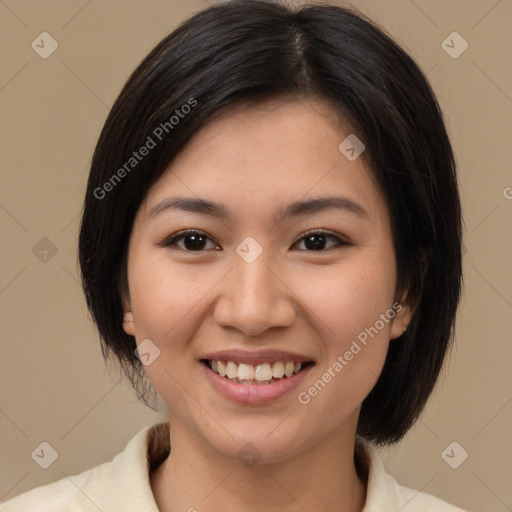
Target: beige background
<point>54,384</point>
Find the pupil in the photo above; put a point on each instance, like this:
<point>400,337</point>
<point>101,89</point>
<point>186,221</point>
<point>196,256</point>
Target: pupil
<point>318,245</point>
<point>197,241</point>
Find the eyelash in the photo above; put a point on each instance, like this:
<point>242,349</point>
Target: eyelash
<point>182,234</point>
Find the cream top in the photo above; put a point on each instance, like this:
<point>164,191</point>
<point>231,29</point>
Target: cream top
<point>123,484</point>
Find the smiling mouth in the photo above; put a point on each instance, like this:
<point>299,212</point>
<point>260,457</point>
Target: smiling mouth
<point>265,373</point>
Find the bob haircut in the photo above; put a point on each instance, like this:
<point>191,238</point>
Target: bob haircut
<point>245,52</point>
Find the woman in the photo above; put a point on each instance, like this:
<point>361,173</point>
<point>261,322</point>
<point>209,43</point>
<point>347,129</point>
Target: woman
<point>271,241</point>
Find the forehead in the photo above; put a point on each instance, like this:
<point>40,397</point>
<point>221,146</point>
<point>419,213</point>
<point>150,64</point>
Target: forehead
<point>260,156</point>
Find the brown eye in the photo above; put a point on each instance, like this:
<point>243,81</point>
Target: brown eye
<point>193,240</point>
<point>317,239</point>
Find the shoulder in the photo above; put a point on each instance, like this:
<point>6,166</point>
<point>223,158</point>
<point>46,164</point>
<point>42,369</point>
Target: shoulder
<point>385,494</point>
<point>76,493</point>
<point>415,501</point>
<point>120,484</point>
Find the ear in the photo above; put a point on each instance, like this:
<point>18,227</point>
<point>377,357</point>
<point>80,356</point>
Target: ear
<point>408,306</point>
<point>128,325</point>
<point>402,318</point>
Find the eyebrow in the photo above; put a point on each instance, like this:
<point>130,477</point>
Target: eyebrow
<point>296,209</point>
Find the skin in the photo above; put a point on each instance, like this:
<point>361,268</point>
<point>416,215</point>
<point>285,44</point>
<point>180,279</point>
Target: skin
<point>187,301</point>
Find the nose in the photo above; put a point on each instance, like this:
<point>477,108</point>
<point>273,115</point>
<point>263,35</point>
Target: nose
<point>254,298</point>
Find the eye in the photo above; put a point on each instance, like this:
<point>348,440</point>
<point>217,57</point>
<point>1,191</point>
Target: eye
<point>195,240</point>
<point>316,239</point>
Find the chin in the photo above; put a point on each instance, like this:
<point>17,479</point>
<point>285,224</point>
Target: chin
<point>260,440</point>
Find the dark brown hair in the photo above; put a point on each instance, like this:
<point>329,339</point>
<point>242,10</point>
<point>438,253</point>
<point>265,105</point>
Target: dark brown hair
<point>251,51</point>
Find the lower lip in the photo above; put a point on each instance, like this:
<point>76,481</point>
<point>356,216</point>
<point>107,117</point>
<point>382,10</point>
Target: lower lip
<point>253,393</point>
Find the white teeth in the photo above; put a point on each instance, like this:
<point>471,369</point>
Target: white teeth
<point>231,370</point>
<point>278,370</point>
<point>245,371</point>
<point>263,372</point>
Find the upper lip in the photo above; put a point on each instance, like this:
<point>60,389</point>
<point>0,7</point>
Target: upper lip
<point>254,358</point>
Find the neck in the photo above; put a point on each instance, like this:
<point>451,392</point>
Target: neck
<point>195,477</point>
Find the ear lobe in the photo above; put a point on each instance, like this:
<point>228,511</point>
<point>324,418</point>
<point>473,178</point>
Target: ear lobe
<point>402,319</point>
<point>408,305</point>
<point>128,325</point>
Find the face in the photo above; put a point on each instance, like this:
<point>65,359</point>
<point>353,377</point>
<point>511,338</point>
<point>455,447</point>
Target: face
<point>250,290</point>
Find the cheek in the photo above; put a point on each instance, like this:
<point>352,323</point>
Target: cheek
<point>168,309</point>
<point>165,297</point>
<point>353,316</point>
<point>348,298</point>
